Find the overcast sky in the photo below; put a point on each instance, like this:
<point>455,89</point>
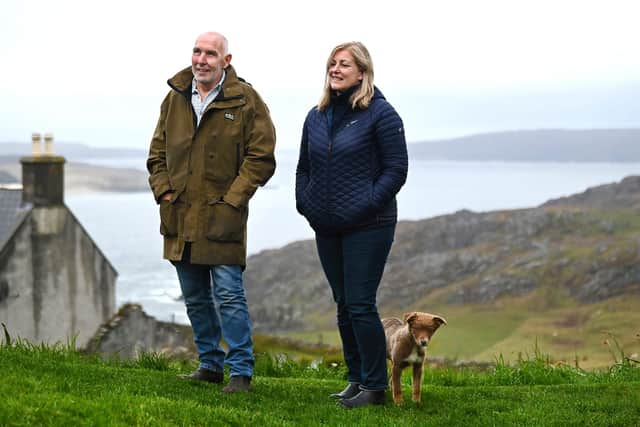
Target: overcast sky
<point>95,72</point>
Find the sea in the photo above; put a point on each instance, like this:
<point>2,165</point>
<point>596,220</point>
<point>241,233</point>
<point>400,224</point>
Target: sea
<point>125,226</point>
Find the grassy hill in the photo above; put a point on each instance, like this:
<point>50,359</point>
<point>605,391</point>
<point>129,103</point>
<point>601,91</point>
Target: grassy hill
<point>482,334</point>
<point>55,385</point>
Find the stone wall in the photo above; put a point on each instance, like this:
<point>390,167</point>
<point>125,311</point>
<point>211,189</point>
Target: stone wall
<point>132,331</point>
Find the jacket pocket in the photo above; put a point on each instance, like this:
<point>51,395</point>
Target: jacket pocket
<point>301,199</point>
<point>225,223</point>
<point>309,206</point>
<point>168,219</point>
<point>224,150</point>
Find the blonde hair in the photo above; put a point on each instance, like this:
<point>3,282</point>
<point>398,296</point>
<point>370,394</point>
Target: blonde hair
<point>362,97</point>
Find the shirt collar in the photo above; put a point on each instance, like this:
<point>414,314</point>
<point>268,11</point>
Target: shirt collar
<point>194,87</point>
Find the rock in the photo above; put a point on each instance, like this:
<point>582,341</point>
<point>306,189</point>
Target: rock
<point>476,258</point>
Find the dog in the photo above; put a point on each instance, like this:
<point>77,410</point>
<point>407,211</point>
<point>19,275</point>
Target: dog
<point>406,345</point>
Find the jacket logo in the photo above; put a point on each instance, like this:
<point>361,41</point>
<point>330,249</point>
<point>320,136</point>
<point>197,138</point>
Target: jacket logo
<point>229,116</point>
<point>351,123</point>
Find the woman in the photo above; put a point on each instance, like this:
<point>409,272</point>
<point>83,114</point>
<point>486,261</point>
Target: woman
<point>353,161</point>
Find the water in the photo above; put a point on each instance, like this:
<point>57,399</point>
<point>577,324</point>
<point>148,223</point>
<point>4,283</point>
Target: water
<point>126,226</point>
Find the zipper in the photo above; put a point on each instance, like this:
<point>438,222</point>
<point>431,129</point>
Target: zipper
<point>330,199</point>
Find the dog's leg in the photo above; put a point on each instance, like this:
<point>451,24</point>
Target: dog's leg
<point>396,383</point>
<point>417,381</point>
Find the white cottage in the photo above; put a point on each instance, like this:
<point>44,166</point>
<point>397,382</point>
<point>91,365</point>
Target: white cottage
<point>55,283</point>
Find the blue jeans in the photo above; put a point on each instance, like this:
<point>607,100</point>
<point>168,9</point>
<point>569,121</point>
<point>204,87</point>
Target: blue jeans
<point>200,284</point>
<point>353,263</point>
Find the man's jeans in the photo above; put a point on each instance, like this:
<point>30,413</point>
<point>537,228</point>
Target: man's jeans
<point>353,263</point>
<point>200,284</point>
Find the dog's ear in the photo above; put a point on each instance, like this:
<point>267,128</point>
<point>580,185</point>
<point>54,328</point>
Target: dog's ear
<point>439,321</point>
<point>408,317</point>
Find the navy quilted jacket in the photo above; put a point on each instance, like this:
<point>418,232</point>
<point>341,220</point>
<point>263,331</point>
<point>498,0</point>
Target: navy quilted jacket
<point>351,167</point>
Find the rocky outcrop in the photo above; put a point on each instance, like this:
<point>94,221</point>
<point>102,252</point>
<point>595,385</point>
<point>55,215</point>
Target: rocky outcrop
<point>585,245</point>
<point>490,288</point>
<point>283,284</point>
<point>625,194</point>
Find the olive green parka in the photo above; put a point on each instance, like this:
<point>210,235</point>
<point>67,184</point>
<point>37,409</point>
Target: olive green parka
<point>212,169</point>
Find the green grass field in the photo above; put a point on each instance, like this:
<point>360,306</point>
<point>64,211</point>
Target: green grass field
<point>55,385</point>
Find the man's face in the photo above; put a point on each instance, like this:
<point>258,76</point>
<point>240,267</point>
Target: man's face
<point>209,59</point>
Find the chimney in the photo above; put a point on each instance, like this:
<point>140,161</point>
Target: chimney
<point>43,174</point>
<point>36,144</point>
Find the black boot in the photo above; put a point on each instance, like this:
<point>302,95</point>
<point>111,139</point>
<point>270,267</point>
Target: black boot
<point>350,391</point>
<point>364,398</point>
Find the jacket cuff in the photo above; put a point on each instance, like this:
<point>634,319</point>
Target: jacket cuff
<point>159,189</point>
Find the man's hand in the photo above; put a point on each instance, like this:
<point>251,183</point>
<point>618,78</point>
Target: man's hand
<point>167,195</point>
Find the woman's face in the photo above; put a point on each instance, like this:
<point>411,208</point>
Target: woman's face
<point>343,71</point>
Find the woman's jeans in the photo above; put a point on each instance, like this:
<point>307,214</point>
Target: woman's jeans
<point>200,284</point>
<point>353,263</point>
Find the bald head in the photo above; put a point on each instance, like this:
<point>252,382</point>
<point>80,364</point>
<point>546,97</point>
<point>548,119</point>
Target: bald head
<point>211,37</point>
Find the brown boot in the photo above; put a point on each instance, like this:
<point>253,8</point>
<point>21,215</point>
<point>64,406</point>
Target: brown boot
<point>202,374</point>
<point>238,384</point>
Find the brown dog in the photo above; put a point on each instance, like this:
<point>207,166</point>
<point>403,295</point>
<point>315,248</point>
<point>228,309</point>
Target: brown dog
<point>406,345</point>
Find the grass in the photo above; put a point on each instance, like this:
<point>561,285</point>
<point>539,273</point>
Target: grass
<point>568,331</point>
<point>572,332</point>
<point>57,385</point>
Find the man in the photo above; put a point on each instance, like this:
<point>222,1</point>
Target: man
<point>212,147</point>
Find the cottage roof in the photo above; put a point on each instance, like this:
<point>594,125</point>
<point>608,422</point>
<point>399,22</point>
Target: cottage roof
<point>12,213</point>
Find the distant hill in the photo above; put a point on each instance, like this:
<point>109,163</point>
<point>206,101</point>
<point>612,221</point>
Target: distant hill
<point>559,275</point>
<point>80,177</point>
<point>548,145</point>
<point>597,145</point>
<point>73,151</point>
<point>81,172</point>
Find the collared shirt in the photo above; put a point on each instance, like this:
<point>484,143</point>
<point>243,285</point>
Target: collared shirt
<point>199,106</point>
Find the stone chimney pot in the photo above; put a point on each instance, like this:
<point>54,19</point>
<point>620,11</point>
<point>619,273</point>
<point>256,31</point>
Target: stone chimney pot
<point>48,144</point>
<point>36,144</point>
